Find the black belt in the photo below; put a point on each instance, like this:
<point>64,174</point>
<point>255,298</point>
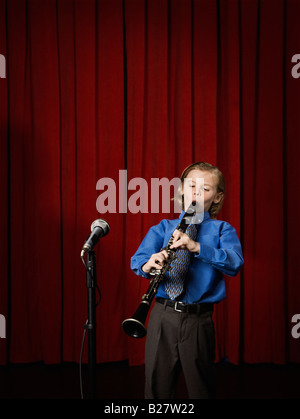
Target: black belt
<point>186,308</point>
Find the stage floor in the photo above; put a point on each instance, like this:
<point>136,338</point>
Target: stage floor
<point>119,381</point>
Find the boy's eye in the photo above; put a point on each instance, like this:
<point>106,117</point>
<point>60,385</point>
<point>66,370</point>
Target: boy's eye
<point>192,185</point>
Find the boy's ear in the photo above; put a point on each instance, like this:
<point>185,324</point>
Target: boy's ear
<point>218,197</point>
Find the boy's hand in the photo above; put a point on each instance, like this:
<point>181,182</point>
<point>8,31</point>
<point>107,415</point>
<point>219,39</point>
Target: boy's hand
<point>156,261</point>
<point>183,241</point>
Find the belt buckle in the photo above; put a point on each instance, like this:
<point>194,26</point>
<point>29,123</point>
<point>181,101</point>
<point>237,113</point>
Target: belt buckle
<point>178,309</point>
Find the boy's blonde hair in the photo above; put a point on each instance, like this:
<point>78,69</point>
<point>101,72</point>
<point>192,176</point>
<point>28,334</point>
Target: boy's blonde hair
<point>207,167</point>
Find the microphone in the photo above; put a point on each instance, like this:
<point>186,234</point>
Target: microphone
<point>99,228</point>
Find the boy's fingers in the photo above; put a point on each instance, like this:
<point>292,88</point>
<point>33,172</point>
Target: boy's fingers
<point>165,253</point>
<point>181,241</point>
<point>178,243</point>
<point>176,235</point>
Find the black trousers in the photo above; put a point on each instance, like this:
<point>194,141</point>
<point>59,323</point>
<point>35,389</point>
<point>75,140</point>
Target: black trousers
<point>179,340</point>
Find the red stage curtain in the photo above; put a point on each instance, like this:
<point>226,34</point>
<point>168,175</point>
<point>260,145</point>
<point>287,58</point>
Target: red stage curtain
<point>95,87</point>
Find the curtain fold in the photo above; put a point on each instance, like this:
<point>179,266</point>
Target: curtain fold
<point>131,89</point>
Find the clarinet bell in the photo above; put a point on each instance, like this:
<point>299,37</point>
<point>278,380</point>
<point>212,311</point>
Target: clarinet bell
<point>135,326</point>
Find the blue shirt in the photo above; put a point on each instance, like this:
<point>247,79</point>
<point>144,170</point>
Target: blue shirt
<point>220,253</point>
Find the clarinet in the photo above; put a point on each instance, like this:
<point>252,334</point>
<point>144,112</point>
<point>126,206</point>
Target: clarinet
<point>135,325</point>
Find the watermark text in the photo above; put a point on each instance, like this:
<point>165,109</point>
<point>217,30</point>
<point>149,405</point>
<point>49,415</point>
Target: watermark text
<point>2,326</point>
<point>296,328</point>
<point>2,67</point>
<point>137,195</point>
<point>296,68</point>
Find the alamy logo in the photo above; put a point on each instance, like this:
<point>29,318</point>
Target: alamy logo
<point>2,326</point>
<point>296,68</point>
<point>2,67</point>
<point>296,329</point>
<point>164,194</point>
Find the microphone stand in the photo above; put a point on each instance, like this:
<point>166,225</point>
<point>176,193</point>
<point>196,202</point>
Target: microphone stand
<point>99,229</point>
<point>90,326</point>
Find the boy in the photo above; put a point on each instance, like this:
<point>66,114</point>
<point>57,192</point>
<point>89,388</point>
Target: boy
<point>180,329</point>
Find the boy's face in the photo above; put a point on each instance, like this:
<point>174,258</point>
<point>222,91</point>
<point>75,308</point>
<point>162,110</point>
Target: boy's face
<point>207,192</point>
